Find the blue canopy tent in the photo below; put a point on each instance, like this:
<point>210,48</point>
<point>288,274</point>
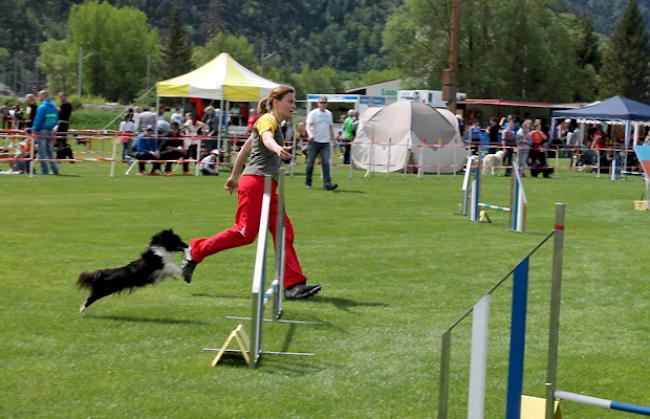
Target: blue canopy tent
<point>617,108</point>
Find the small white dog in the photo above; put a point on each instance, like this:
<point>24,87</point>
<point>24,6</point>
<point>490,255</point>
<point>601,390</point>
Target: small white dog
<point>491,162</point>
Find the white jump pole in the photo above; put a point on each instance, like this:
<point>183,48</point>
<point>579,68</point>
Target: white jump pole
<point>259,274</point>
<point>478,363</point>
<point>114,157</point>
<point>466,185</point>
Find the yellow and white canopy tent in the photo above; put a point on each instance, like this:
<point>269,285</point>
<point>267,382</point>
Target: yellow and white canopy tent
<point>223,79</point>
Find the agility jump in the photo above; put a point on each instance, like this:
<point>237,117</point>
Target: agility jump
<point>251,348</point>
<point>479,344</point>
<point>471,205</point>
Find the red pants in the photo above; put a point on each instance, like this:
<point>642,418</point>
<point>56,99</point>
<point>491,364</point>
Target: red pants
<point>247,225</point>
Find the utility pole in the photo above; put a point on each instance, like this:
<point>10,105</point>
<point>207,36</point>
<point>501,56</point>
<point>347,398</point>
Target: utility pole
<point>148,71</point>
<point>82,57</point>
<point>80,71</point>
<point>450,75</point>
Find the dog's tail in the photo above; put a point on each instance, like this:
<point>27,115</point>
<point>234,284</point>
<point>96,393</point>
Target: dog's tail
<point>87,279</point>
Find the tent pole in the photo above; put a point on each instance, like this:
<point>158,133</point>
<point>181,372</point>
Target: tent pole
<point>557,150</point>
<point>628,126</point>
<point>221,154</point>
<point>439,156</point>
<point>156,112</point>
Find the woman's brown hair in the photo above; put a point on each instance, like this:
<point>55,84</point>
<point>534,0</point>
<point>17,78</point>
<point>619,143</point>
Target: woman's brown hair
<point>265,105</point>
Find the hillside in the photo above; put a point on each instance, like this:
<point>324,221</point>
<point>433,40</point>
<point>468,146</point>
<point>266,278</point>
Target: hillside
<point>605,13</point>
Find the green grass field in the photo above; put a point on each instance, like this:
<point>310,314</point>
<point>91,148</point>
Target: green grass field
<point>397,263</point>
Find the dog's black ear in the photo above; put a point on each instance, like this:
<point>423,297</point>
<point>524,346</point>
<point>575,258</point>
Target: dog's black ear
<point>171,231</point>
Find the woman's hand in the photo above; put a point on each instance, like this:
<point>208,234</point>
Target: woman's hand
<point>231,184</point>
<point>284,152</point>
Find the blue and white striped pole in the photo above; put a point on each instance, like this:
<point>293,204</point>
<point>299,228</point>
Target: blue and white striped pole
<point>517,340</point>
<point>603,403</point>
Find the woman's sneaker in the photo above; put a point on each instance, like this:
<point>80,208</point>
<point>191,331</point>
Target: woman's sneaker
<point>300,291</point>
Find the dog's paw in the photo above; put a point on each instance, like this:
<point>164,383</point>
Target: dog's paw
<point>82,308</point>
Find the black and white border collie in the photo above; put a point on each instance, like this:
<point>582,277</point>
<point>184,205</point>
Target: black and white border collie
<point>154,266</point>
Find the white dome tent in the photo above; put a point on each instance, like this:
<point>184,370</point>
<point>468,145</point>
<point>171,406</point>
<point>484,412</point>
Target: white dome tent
<point>389,138</point>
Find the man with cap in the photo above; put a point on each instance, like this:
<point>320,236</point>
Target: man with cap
<point>209,164</point>
<point>171,148</point>
<point>146,148</point>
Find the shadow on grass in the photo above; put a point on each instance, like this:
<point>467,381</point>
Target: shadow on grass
<point>345,304</point>
<point>337,191</point>
<point>224,296</point>
<point>147,320</point>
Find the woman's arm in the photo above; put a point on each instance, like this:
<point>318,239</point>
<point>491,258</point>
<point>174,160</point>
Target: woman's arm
<point>242,156</point>
<point>271,144</point>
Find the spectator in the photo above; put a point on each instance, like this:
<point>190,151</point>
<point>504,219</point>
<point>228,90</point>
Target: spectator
<point>136,116</point>
<point>253,116</point>
<point>193,128</point>
<point>301,139</point>
<point>208,165</point>
<point>177,116</point>
<point>162,124</point>
<point>475,137</point>
<point>646,141</point>
<point>145,119</point>
<point>211,121</point>
<point>320,128</point>
<point>127,129</point>
<point>23,152</point>
<point>493,133</point>
<point>509,142</point>
<point>171,148</point>
<point>266,150</point>
<point>146,148</point>
<point>30,115</point>
<point>538,154</point>
<point>63,149</point>
<point>524,141</point>
<point>46,118</point>
<point>349,133</point>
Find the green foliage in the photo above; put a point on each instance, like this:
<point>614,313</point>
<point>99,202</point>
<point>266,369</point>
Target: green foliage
<point>58,64</point>
<point>415,39</point>
<point>514,49</point>
<point>176,57</point>
<point>237,46</point>
<point>119,41</point>
<point>319,80</point>
<point>626,65</point>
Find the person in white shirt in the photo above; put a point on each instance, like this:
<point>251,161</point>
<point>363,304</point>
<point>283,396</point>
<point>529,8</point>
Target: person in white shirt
<point>177,117</point>
<point>208,165</point>
<point>320,130</point>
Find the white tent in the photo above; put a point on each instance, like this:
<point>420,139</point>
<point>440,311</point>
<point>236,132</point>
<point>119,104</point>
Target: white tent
<point>391,138</point>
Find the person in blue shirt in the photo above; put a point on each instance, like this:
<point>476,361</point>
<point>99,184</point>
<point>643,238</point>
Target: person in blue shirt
<point>146,148</point>
<point>47,116</point>
<point>475,136</point>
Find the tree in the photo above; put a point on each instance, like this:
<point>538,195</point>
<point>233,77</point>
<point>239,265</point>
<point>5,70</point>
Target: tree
<point>176,56</point>
<point>237,46</point>
<point>511,49</point>
<point>319,80</point>
<point>626,61</point>
<point>119,43</point>
<point>59,66</point>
